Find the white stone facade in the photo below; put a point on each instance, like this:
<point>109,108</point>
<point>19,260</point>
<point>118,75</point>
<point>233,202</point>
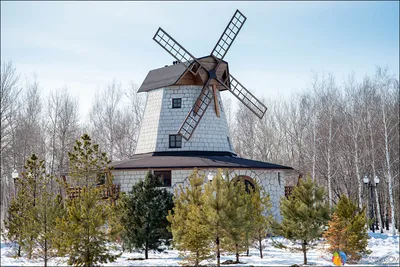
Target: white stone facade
<point>272,181</point>
<point>161,120</point>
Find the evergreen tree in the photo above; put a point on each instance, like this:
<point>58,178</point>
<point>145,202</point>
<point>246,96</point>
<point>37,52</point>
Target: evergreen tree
<point>49,208</point>
<point>85,236</point>
<point>305,213</point>
<point>261,218</point>
<point>90,221</point>
<point>235,223</point>
<point>22,225</point>
<point>87,164</point>
<point>144,221</point>
<point>17,223</point>
<point>216,200</point>
<point>347,230</point>
<point>190,231</point>
<point>34,211</point>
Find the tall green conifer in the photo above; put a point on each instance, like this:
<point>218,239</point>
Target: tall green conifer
<point>260,214</point>
<point>86,226</point>
<point>216,201</point>
<point>236,222</point>
<point>144,221</point>
<point>190,231</point>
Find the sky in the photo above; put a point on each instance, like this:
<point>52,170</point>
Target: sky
<point>85,45</point>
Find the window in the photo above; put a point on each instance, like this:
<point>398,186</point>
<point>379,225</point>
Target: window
<point>175,141</point>
<point>164,176</point>
<point>176,102</point>
<point>248,182</point>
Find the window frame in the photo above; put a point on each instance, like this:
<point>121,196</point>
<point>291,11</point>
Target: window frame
<point>161,174</point>
<point>176,102</point>
<point>174,143</point>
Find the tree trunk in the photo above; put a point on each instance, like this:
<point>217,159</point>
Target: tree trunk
<point>197,258</point>
<point>218,253</point>
<point>146,251</point>
<point>303,246</point>
<point>237,252</point>
<point>260,246</point>
<point>388,170</point>
<point>359,182</point>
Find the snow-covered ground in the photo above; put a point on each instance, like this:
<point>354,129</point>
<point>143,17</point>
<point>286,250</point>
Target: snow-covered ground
<point>385,252</point>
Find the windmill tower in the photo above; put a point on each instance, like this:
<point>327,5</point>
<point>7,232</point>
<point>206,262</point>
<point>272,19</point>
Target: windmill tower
<point>177,116</point>
<point>184,124</point>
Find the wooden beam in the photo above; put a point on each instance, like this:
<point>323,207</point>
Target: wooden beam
<point>216,104</point>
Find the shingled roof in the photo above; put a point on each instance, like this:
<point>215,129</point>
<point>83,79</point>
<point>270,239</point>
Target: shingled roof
<point>167,76</point>
<point>162,77</point>
<point>192,159</point>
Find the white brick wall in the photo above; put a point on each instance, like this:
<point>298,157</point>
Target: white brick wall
<point>268,179</point>
<point>160,120</point>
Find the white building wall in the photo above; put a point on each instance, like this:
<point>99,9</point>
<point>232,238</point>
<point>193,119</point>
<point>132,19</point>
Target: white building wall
<point>161,120</point>
<point>271,180</point>
<point>147,139</point>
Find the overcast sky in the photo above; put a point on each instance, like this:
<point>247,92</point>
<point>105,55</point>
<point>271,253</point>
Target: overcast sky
<point>85,45</point>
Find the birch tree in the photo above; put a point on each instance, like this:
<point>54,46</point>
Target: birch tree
<point>9,92</point>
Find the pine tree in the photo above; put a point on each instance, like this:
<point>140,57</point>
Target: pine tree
<point>49,208</point>
<point>90,221</point>
<point>260,215</point>
<point>215,204</point>
<point>85,236</point>
<point>87,164</point>
<point>17,223</point>
<point>235,224</point>
<point>21,224</point>
<point>34,211</point>
<point>144,221</point>
<point>190,231</point>
<point>305,213</point>
<point>347,230</point>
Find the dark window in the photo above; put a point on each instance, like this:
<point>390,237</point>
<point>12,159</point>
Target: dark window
<point>175,141</point>
<point>176,102</point>
<point>164,176</point>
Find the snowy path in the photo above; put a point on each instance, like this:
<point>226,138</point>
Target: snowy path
<point>385,252</point>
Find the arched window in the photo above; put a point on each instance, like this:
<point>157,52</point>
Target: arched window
<point>248,182</point>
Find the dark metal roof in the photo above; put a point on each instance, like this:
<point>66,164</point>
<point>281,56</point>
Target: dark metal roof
<point>192,159</point>
<point>162,77</point>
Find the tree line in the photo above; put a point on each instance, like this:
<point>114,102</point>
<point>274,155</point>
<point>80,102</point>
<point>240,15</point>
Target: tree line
<point>337,133</point>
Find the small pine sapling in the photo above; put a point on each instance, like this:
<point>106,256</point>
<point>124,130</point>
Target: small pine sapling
<point>347,230</point>
<point>305,214</point>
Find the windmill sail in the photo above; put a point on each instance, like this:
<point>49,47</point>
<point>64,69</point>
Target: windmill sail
<point>245,96</point>
<point>229,35</point>
<point>177,51</point>
<point>196,113</point>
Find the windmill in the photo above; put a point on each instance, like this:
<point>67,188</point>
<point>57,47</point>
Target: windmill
<point>212,72</point>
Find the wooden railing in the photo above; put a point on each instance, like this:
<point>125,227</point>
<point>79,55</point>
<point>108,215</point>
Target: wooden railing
<point>74,192</point>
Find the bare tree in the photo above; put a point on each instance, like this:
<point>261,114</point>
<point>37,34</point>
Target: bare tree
<point>389,90</point>
<point>9,93</point>
<point>62,128</point>
<point>115,123</point>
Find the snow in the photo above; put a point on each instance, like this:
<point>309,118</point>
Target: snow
<point>385,252</point>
